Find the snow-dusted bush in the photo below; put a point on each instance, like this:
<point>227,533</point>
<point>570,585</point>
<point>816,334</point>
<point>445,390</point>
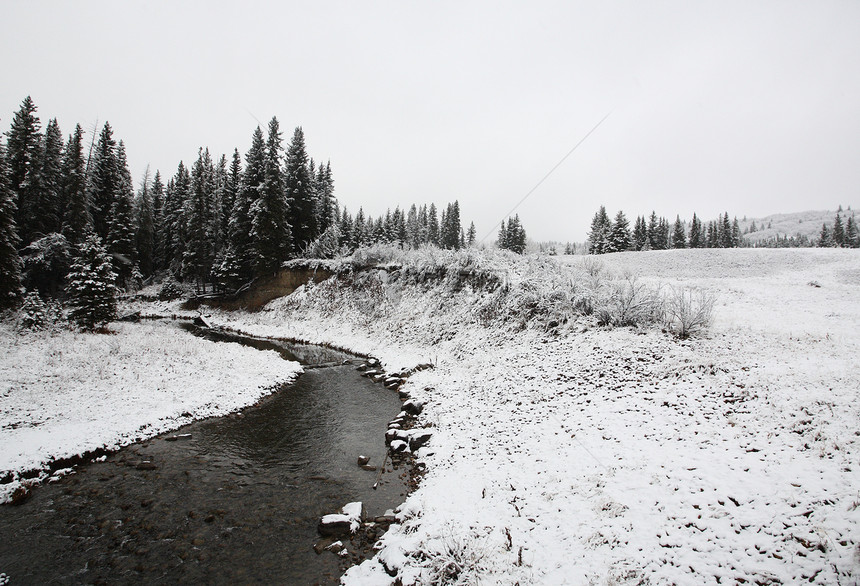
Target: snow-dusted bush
<point>170,290</point>
<point>688,311</point>
<point>34,313</point>
<point>630,303</point>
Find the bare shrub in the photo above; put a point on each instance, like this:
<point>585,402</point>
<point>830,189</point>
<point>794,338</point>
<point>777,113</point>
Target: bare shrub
<point>455,558</point>
<point>630,303</point>
<point>688,311</point>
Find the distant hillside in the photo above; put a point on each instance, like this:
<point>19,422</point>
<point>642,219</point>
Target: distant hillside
<point>801,223</point>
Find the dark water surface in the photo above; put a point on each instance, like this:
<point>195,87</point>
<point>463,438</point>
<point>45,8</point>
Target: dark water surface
<point>237,502</point>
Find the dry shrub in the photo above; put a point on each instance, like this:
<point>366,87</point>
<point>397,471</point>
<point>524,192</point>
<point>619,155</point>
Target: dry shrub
<point>688,311</point>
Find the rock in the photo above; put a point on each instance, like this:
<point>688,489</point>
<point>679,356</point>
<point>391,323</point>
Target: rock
<point>373,362</point>
<point>146,465</point>
<point>419,439</point>
<point>323,544</point>
<point>134,316</point>
<point>363,460</point>
<point>378,378</point>
<point>331,525</point>
<point>395,425</point>
<point>371,373</point>
<point>399,446</point>
<point>396,435</point>
<point>345,523</point>
<point>361,367</point>
<point>413,407</point>
<point>386,519</point>
<point>202,321</point>
<point>403,394</point>
<point>179,436</point>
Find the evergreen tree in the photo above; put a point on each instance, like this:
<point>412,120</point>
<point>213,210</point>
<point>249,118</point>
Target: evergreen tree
<point>838,231</point>
<point>195,259</point>
<point>160,234</point>
<point>253,179</point>
<point>50,214</point>
<point>725,231</point>
<point>640,233</point>
<point>270,229</point>
<point>76,217</point>
<point>300,197</point>
<point>736,233</point>
<point>516,238</point>
<point>10,261</point>
<point>620,239</point>
<point>598,237</point>
<point>23,160</point>
<point>432,226</point>
<point>470,236</point>
<point>145,227</point>
<point>345,231</point>
<point>713,235</point>
<point>231,191</point>
<point>219,177</point>
<point>176,202</point>
<point>326,202</point>
<point>449,236</point>
<point>121,228</point>
<point>697,238</point>
<point>663,233</point>
<point>852,239</point>
<point>91,292</point>
<point>825,238</point>
<point>502,241</point>
<point>654,232</point>
<point>679,237</point>
<point>104,181</point>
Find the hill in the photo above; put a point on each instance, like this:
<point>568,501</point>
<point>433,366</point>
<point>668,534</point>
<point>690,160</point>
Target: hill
<point>797,224</point>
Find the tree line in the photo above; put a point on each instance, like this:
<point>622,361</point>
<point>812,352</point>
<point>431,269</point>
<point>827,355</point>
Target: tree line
<point>656,233</point>
<point>841,234</point>
<point>221,221</point>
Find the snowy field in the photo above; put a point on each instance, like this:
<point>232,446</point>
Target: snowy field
<point>66,393</point>
<point>583,455</point>
<point>563,452</point>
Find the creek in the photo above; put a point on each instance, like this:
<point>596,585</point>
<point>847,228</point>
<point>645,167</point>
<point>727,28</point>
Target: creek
<point>233,499</point>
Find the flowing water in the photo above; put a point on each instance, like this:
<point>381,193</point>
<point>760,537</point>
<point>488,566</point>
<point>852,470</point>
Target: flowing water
<point>236,501</point>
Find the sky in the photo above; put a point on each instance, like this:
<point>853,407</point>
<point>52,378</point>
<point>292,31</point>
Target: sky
<point>746,107</point>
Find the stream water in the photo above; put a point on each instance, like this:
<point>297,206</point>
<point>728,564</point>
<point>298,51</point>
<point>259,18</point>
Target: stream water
<point>236,501</point>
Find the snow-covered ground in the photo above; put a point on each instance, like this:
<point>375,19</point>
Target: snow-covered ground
<point>65,393</point>
<point>563,452</point>
<point>582,455</point>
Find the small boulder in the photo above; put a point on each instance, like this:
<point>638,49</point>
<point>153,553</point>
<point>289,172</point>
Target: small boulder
<point>399,446</point>
<point>363,460</point>
<point>419,439</point>
<point>413,407</point>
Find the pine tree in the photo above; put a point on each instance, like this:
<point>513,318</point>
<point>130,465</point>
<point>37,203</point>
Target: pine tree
<point>195,259</point>
<point>852,239</point>
<point>736,233</point>
<point>326,202</point>
<point>697,239</point>
<point>679,237</point>
<point>270,229</point>
<point>598,236</point>
<point>502,241</point>
<point>231,191</point>
<point>725,231</point>
<point>91,292</point>
<point>176,201</point>
<point>432,226</point>
<point>838,231</point>
<point>76,217</point>
<point>470,236</point>
<point>104,181</point>
<point>121,228</point>
<point>640,233</point>
<point>300,197</point>
<point>145,227</point>
<point>620,239</point>
<point>50,214</point>
<point>160,235</point>
<point>516,238</point>
<point>825,238</point>
<point>449,236</point>
<point>24,148</point>
<point>10,261</point>
<point>253,179</point>
<point>654,232</point>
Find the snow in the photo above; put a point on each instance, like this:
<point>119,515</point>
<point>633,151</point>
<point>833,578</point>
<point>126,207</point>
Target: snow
<point>590,455</point>
<point>67,393</point>
<point>576,454</point>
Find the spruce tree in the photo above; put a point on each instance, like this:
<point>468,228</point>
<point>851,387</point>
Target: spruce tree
<point>736,233</point>
<point>270,229</point>
<point>24,149</point>
<point>502,241</point>
<point>679,237</point>
<point>516,236</point>
<point>253,179</point>
<point>432,226</point>
<point>195,259</point>
<point>725,231</point>
<point>838,231</point>
<point>654,232</point>
<point>598,236</point>
<point>825,238</point>
<point>640,233</point>
<point>50,214</point>
<point>76,217</point>
<point>697,239</point>
<point>852,238</point>
<point>470,235</point>
<point>176,202</point>
<point>620,239</point>
<point>91,292</point>
<point>300,197</point>
<point>104,181</point>
<point>121,227</point>
<point>145,227</point>
<point>10,261</point>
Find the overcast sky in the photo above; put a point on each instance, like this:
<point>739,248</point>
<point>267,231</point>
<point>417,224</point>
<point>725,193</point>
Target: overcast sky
<point>747,107</point>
